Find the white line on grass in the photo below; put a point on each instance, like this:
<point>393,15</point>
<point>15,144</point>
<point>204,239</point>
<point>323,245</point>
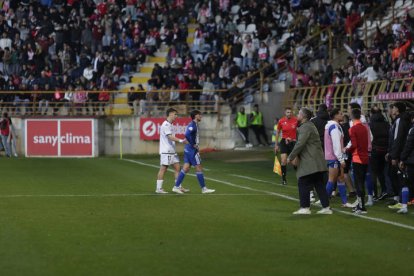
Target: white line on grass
<point>125,195</point>
<point>262,181</point>
<point>285,197</point>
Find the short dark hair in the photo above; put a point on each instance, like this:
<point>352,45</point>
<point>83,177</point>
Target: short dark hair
<point>322,107</point>
<point>356,113</point>
<point>306,112</point>
<point>288,108</point>
<point>355,106</point>
<point>170,110</point>
<point>400,106</point>
<point>194,113</point>
<point>334,112</point>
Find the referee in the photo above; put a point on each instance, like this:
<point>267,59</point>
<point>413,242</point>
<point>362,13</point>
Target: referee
<point>287,125</point>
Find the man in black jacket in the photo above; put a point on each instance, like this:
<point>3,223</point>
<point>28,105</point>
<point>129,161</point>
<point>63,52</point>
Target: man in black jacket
<point>399,131</point>
<point>320,120</point>
<point>407,166</point>
<point>380,132</point>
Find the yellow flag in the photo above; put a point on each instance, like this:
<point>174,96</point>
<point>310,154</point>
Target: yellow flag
<point>276,167</point>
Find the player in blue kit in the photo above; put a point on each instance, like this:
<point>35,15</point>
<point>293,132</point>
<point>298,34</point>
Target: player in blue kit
<point>192,155</point>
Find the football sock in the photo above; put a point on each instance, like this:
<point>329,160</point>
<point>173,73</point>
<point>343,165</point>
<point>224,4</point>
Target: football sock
<point>404,195</point>
<point>200,177</point>
<point>283,173</point>
<point>342,192</point>
<point>329,188</point>
<point>369,184</point>
<point>180,178</point>
<point>159,184</point>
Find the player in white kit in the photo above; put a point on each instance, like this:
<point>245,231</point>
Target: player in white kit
<point>168,155</point>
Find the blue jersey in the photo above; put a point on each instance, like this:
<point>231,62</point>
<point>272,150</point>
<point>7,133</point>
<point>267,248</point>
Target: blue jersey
<point>191,134</point>
<point>191,155</point>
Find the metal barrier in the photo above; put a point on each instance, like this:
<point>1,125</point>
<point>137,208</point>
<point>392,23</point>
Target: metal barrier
<point>103,103</point>
<point>339,95</point>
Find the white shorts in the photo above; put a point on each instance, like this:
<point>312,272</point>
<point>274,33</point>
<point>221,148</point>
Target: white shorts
<point>169,159</point>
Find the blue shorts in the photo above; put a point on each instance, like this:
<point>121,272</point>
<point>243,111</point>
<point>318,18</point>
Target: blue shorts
<point>334,164</point>
<point>192,158</point>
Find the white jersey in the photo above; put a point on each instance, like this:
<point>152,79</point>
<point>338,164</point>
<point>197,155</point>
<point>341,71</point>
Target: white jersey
<point>166,145</point>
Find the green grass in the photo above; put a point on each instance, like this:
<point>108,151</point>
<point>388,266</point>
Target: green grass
<point>56,220</point>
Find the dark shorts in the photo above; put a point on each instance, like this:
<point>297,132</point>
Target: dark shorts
<point>347,164</point>
<point>286,148</point>
<point>333,164</point>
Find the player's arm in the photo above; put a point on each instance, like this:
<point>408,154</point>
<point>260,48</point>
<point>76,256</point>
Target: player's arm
<point>175,139</point>
<point>337,147</point>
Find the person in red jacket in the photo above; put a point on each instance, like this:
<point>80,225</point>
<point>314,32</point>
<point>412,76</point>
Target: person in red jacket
<point>359,150</point>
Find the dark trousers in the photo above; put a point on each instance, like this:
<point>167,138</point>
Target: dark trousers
<point>410,181</point>
<point>307,183</point>
<point>244,133</point>
<point>378,170</point>
<point>395,180</point>
<point>260,131</point>
<point>360,171</point>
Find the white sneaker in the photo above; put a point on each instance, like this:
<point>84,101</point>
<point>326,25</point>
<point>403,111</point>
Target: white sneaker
<point>369,203</point>
<point>160,191</point>
<point>15,155</point>
<point>355,204</point>
<point>347,205</point>
<point>184,190</point>
<point>177,190</point>
<point>325,211</point>
<point>303,211</point>
<point>206,190</point>
<point>402,211</point>
<point>312,197</point>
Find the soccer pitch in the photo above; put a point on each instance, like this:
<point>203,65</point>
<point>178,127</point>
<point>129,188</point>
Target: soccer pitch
<point>102,217</point>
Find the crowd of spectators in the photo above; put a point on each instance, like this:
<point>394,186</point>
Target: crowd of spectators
<point>389,56</point>
<point>235,38</point>
<point>77,46</point>
<point>93,45</point>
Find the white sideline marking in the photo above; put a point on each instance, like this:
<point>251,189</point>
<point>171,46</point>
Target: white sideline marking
<point>126,195</point>
<point>262,181</point>
<point>286,197</point>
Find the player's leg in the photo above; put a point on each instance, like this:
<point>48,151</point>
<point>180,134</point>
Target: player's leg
<point>181,176</point>
<point>200,175</point>
<point>160,178</point>
<point>333,171</point>
<point>176,174</point>
<point>342,189</point>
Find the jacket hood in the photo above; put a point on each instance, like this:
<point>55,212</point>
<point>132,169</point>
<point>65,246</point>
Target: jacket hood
<point>323,115</point>
<point>377,117</point>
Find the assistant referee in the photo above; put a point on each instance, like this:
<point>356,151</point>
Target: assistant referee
<point>287,125</point>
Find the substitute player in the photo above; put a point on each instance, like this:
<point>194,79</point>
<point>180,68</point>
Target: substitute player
<point>192,155</point>
<point>168,155</point>
<point>288,126</point>
<point>334,147</point>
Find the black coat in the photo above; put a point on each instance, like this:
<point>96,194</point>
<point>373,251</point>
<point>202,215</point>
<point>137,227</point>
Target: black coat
<point>398,136</point>
<point>407,155</point>
<point>322,117</point>
<point>380,132</point>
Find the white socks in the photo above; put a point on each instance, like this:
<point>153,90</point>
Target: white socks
<point>159,184</point>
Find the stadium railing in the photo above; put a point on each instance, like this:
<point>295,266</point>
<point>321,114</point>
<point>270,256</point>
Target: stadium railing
<point>34,103</point>
<point>339,95</point>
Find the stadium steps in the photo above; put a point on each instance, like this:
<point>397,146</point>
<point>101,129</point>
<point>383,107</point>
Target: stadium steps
<point>120,106</point>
